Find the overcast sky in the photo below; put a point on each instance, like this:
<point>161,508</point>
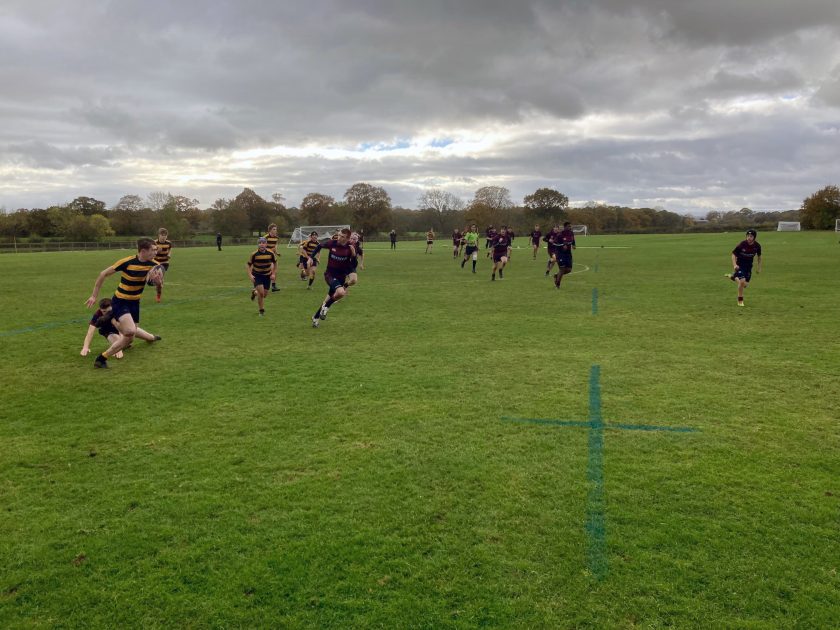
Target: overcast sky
<point>691,105</point>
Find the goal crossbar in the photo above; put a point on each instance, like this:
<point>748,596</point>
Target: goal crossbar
<point>302,232</point>
<point>789,226</point>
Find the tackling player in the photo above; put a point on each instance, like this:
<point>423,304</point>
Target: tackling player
<point>339,266</point>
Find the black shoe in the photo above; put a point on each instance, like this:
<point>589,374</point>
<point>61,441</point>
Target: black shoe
<point>157,338</point>
<point>100,362</point>
<point>253,294</point>
<point>501,275</point>
<point>274,289</point>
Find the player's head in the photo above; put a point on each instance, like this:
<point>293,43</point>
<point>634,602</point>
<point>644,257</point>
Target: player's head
<point>146,249</point>
<point>313,235</point>
<point>354,238</point>
<point>105,304</point>
<point>272,229</point>
<point>751,234</point>
<point>163,233</point>
<point>567,226</point>
<point>503,230</point>
<point>344,236</point>
<point>262,242</point>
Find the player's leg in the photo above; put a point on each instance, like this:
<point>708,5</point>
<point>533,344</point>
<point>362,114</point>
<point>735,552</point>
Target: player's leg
<point>146,336</point>
<point>112,339</point>
<point>125,324</point>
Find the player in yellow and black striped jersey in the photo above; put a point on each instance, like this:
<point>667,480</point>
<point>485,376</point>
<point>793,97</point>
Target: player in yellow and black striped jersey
<point>262,269</point>
<point>306,263</point>
<point>125,305</point>
<point>271,242</point>
<point>164,246</point>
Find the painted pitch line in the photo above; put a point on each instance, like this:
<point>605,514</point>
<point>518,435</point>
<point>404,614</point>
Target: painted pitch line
<point>595,525</point>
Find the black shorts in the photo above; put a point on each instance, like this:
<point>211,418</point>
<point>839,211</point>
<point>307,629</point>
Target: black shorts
<point>564,260</point>
<point>334,281</point>
<point>744,274</point>
<point>498,257</point>
<point>303,260</point>
<point>429,242</point>
<point>261,279</point>
<point>120,307</point>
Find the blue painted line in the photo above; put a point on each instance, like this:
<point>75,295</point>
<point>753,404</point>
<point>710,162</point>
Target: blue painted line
<point>596,555</point>
<point>555,423</point>
<point>595,301</point>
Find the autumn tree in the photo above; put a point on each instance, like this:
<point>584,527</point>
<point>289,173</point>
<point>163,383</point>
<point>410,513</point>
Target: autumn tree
<point>820,210</point>
<point>314,208</point>
<point>546,206</point>
<point>370,206</point>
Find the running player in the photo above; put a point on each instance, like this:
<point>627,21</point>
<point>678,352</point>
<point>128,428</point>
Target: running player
<point>490,234</point>
<point>125,304</point>
<point>430,240</point>
<point>272,239</point>
<point>164,247</point>
<point>306,263</point>
<point>262,269</point>
<point>564,243</point>
<point>536,235</point>
<point>339,266</point>
<point>501,253</point>
<point>358,262</point>
<point>549,239</point>
<point>456,242</point>
<point>745,253</point>
<point>471,251</point>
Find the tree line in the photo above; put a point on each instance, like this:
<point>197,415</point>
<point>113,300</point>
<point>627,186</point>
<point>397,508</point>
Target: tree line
<point>369,208</point>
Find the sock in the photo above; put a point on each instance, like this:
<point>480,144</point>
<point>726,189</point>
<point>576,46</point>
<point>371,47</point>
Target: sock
<point>463,262</point>
<point>474,265</point>
<point>104,355</point>
<point>311,280</point>
<point>317,313</point>
<point>740,299</point>
<point>329,302</point>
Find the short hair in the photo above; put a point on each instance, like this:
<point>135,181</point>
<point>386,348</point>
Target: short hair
<point>105,303</point>
<point>144,243</point>
<point>567,223</point>
<point>163,231</point>
<point>273,225</point>
<point>346,231</point>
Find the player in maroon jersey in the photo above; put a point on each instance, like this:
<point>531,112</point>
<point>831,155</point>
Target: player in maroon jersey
<point>549,240</point>
<point>564,243</point>
<point>745,253</point>
<point>456,242</point>
<point>536,235</point>
<point>501,253</point>
<point>339,266</point>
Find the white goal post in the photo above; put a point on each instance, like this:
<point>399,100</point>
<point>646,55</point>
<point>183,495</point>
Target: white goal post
<point>302,232</point>
<point>580,229</point>
<point>837,225</point>
<point>789,226</point>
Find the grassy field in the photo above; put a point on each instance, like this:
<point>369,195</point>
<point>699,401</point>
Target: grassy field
<point>442,452</point>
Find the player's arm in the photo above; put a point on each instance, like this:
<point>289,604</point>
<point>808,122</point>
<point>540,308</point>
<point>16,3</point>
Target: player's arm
<point>250,271</point>
<point>315,252</point>
<point>88,338</point>
<point>273,272</point>
<point>98,285</point>
<point>758,263</point>
<point>734,261</point>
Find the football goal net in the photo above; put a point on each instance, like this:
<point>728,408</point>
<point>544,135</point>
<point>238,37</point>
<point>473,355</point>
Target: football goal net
<point>837,225</point>
<point>788,226</point>
<point>580,229</point>
<point>302,232</point>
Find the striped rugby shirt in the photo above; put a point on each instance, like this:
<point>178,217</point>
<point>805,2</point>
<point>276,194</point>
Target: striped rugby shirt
<point>133,272</point>
<point>261,261</point>
<point>162,255</point>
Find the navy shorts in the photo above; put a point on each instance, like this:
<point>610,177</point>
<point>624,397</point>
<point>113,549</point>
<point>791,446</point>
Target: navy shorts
<point>334,282</point>
<point>260,279</point>
<point>564,260</point>
<point>303,260</point>
<point>120,307</point>
<point>471,249</point>
<point>498,257</point>
<point>744,274</point>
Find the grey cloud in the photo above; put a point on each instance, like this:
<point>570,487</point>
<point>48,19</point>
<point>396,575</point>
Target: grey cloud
<point>42,155</point>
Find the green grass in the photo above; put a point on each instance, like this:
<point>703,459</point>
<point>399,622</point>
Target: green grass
<point>250,472</point>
